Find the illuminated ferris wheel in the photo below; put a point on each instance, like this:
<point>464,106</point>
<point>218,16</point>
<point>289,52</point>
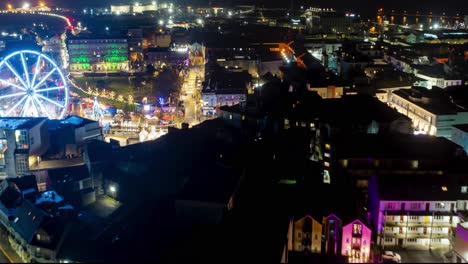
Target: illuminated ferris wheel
<point>32,85</point>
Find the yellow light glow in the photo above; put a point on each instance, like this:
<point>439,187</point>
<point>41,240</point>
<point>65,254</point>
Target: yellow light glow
<point>444,188</point>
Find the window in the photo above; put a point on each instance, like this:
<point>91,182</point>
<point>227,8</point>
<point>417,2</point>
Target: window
<point>347,240</point>
<point>412,228</point>
<point>464,189</point>
<point>21,164</point>
<point>390,206</point>
<point>387,239</point>
<point>316,237</point>
<point>415,206</point>
<point>357,229</point>
<point>438,217</point>
<point>298,234</point>
<point>439,205</point>
<point>411,240</point>
<point>436,240</point>
<point>414,217</point>
<point>21,137</point>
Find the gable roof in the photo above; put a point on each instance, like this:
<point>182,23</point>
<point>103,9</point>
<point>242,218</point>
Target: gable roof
<point>28,219</point>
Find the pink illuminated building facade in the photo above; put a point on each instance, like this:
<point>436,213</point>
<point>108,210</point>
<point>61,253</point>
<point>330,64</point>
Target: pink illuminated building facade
<point>356,241</point>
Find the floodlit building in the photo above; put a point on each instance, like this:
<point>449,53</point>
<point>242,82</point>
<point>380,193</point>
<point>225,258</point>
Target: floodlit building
<point>460,245</point>
<point>356,241</point>
<point>225,88</point>
<point>430,112</point>
<point>104,54</point>
<point>306,235</point>
<point>416,213</point>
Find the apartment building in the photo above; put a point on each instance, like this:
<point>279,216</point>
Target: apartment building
<point>418,218</point>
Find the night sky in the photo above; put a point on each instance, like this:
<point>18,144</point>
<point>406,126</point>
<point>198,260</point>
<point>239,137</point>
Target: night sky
<point>362,6</point>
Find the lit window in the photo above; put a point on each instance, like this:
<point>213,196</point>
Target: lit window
<point>326,163</point>
<point>464,189</point>
<point>444,188</point>
<point>327,146</point>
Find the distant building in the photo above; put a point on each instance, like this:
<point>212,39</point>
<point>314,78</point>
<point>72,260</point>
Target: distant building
<point>431,112</point>
<point>225,88</point>
<point>135,8</point>
<point>104,54</point>
<point>356,241</point>
<point>326,92</point>
<point>436,78</point>
<point>460,136</point>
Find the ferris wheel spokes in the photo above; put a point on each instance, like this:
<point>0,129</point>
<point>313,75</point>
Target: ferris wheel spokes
<point>12,95</point>
<point>36,70</point>
<point>50,89</point>
<point>43,79</point>
<point>41,106</point>
<point>16,105</point>
<point>12,84</point>
<point>16,74</point>
<point>26,72</point>
<point>48,100</point>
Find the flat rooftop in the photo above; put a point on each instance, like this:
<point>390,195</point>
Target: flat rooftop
<point>57,164</point>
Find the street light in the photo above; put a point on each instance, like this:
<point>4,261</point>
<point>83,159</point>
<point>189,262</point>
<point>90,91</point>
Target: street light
<point>26,5</point>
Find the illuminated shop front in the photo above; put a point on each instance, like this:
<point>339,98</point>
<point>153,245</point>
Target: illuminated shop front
<point>98,55</point>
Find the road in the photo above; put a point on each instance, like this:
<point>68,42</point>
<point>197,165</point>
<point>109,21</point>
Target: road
<point>190,100</point>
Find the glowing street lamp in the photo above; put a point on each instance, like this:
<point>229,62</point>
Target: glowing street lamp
<point>9,6</point>
<point>26,5</point>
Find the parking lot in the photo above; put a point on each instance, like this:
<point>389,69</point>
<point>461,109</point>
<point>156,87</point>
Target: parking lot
<point>422,256</point>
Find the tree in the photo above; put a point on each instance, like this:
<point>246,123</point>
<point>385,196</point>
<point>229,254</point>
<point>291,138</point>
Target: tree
<point>112,95</point>
<point>101,84</point>
<point>130,99</point>
<point>120,98</point>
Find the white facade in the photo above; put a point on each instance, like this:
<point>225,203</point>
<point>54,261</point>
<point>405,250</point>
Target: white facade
<point>418,224</point>
<point>425,121</point>
<point>437,81</point>
<point>460,137</point>
<point>211,101</point>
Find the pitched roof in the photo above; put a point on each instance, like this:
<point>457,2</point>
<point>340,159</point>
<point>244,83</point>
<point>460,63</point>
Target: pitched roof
<point>28,219</point>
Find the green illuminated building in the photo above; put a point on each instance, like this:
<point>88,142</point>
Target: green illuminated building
<point>98,54</point>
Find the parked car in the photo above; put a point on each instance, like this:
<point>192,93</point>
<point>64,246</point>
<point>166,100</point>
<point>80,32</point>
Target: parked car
<point>391,257</point>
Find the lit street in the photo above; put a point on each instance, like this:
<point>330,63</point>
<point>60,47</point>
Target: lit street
<point>189,95</point>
